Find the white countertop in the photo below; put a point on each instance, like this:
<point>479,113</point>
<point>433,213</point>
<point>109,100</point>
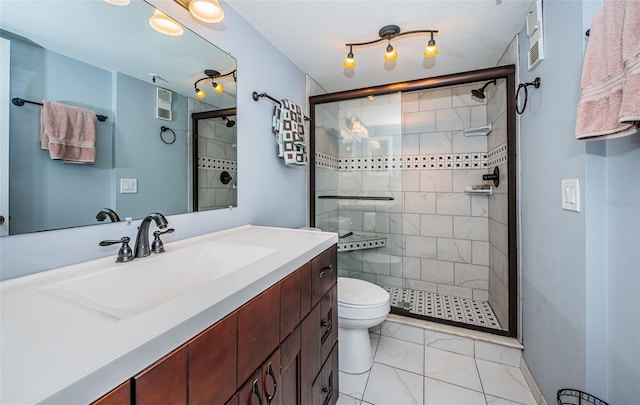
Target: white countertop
<point>54,351</point>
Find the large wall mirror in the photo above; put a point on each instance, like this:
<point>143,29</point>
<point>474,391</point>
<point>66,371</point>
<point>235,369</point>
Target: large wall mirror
<point>108,59</point>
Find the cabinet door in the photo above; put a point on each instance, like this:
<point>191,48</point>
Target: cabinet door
<point>165,382</point>
<point>121,395</point>
<point>212,363</point>
<point>289,304</point>
<point>272,386</point>
<point>251,393</point>
<point>309,352</point>
<point>258,331</point>
<point>305,290</point>
<point>290,369</point>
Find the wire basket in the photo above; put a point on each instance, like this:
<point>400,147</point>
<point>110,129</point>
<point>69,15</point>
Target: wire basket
<point>570,396</point>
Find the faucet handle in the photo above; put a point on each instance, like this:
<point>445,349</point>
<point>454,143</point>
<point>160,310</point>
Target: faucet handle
<point>125,254</point>
<point>157,246</point>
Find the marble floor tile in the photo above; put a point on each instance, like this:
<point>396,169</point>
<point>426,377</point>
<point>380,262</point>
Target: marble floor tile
<point>504,381</point>
<point>353,385</point>
<point>392,386</point>
<point>344,399</point>
<point>374,339</point>
<point>491,400</point>
<point>401,354</point>
<point>451,367</point>
<point>442,393</point>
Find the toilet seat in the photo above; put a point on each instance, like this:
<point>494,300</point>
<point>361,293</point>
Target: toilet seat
<point>359,299</point>
<point>353,292</point>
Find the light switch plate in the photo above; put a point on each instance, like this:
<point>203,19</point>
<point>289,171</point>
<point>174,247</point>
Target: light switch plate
<point>128,186</point>
<point>571,195</point>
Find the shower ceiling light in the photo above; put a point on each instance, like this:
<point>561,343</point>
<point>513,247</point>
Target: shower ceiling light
<point>212,75</point>
<point>208,11</point>
<point>165,24</point>
<point>387,33</point>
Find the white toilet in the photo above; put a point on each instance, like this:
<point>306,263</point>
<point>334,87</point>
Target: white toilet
<point>361,305</point>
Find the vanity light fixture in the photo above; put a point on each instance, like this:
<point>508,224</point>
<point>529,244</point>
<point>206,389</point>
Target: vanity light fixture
<point>387,33</point>
<point>165,24</point>
<point>208,11</point>
<point>118,2</point>
<point>212,75</point>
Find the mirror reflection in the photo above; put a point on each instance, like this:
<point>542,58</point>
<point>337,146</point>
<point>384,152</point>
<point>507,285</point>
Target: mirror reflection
<point>148,156</point>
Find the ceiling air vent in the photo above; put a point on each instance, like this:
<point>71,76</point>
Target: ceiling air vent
<point>163,104</point>
<point>534,32</point>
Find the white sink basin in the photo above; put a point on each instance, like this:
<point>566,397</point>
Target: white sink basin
<point>128,289</point>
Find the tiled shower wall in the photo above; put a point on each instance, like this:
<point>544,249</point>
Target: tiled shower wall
<point>437,236</point>
<point>498,204</point>
<point>216,153</point>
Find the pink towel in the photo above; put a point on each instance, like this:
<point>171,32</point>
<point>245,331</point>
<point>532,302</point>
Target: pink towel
<point>68,132</point>
<point>609,104</point>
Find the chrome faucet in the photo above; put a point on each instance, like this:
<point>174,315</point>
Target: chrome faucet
<point>142,240</point>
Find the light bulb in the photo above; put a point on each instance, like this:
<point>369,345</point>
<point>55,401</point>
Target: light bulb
<point>206,10</point>
<point>390,54</point>
<point>349,61</point>
<point>431,49</point>
<point>201,94</point>
<point>219,88</point>
<point>165,24</point>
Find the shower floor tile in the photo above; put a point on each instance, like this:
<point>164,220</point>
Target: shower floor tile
<point>443,306</point>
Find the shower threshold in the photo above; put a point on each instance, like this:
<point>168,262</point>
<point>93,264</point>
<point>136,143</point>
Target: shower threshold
<point>447,307</point>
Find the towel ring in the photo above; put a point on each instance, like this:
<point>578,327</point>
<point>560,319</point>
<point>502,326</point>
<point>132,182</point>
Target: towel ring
<point>535,83</point>
<point>162,131</point>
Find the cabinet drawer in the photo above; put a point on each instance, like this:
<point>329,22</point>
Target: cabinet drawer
<point>319,332</point>
<point>258,331</point>
<point>325,387</point>
<point>211,355</point>
<point>324,273</point>
<point>165,382</point>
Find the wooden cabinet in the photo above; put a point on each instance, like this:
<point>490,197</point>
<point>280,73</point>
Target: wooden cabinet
<point>210,357</point>
<point>121,395</point>
<point>165,382</point>
<point>278,348</point>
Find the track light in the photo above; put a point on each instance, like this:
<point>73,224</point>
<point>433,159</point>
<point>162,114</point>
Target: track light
<point>387,33</point>
<point>349,60</point>
<point>212,75</point>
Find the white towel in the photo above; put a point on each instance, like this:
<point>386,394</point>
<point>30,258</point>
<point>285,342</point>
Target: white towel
<point>609,104</point>
<point>289,127</point>
<point>68,132</point>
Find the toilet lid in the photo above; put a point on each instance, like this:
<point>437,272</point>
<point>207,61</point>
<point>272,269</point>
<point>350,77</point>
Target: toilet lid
<point>359,292</point>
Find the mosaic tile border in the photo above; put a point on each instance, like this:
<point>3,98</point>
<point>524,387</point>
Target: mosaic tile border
<point>361,244</point>
<point>459,309</point>
<point>444,161</point>
<point>498,155</point>
<point>211,163</point>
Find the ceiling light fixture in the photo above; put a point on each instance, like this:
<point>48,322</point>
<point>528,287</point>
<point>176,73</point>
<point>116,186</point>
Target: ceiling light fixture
<point>119,2</point>
<point>212,75</point>
<point>208,11</point>
<point>387,33</point>
<point>165,24</point>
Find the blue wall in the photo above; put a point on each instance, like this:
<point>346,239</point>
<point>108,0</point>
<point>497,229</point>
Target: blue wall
<point>580,271</point>
<point>270,194</point>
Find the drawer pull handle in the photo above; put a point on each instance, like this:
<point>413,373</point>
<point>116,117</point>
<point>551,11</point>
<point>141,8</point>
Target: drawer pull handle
<point>326,324</point>
<point>329,390</point>
<point>275,386</point>
<point>326,271</point>
<point>256,391</point>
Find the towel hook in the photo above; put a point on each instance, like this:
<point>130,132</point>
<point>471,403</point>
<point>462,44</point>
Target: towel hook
<point>535,83</point>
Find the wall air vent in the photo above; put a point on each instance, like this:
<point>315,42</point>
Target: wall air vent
<point>163,104</point>
<point>534,32</point>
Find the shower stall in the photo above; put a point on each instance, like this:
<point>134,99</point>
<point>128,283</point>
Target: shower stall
<point>418,180</point>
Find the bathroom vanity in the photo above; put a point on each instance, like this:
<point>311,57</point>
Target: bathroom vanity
<point>260,329</point>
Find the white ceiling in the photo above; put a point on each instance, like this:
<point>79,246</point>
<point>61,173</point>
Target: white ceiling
<point>473,34</point>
